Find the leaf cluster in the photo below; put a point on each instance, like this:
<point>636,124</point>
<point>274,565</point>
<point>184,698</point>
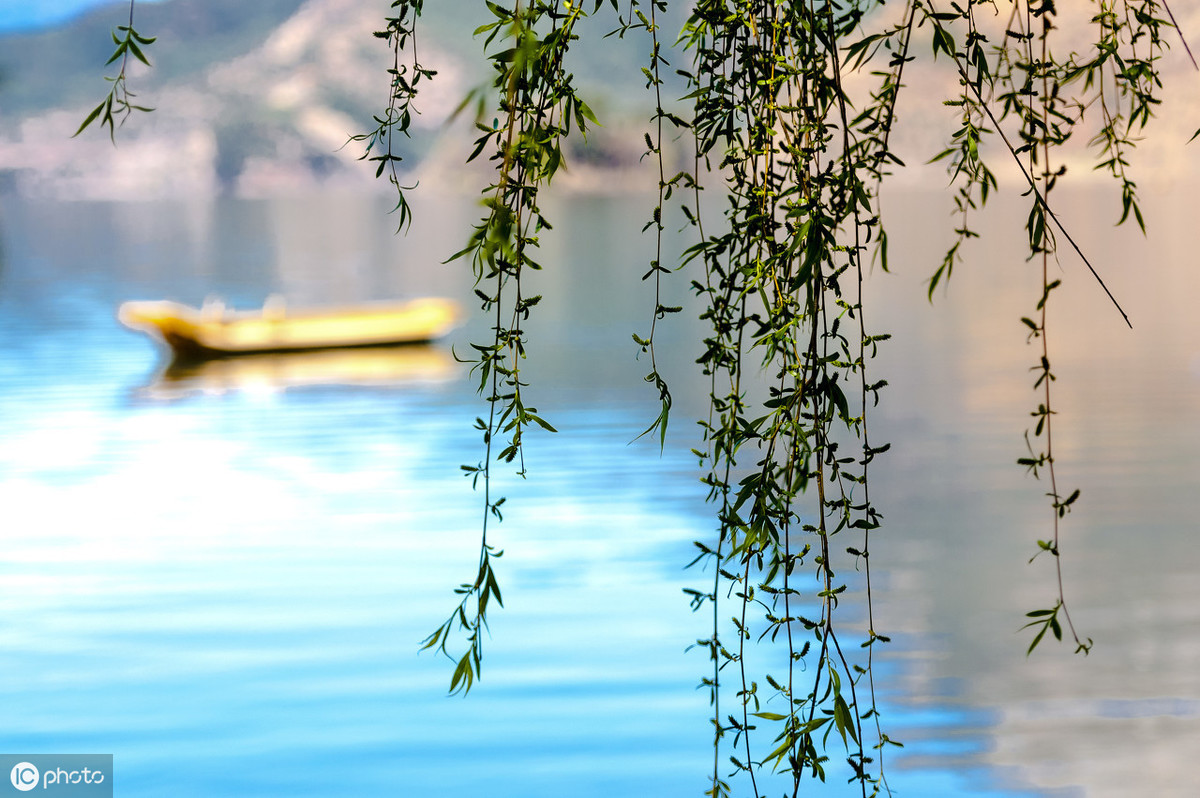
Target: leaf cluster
<point>116,108</point>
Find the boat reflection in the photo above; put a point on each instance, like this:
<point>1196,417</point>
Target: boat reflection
<point>381,366</point>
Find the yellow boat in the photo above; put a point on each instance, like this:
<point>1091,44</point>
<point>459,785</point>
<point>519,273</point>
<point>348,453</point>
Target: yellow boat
<point>214,331</point>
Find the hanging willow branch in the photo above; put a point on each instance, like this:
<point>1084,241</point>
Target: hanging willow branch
<point>777,260</point>
<point>780,261</point>
<point>117,107</point>
<point>537,107</point>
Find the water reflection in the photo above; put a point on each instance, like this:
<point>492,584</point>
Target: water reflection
<point>243,577</point>
<point>376,367</point>
<point>1127,435</point>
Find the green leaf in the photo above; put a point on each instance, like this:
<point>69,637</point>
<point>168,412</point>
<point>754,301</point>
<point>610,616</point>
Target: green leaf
<point>137,53</point>
<point>582,108</point>
<point>432,640</point>
<point>844,720</point>
<point>541,422</point>
<point>494,587</point>
<point>90,118</point>
<point>120,51</point>
<point>839,399</point>
<point>463,675</point>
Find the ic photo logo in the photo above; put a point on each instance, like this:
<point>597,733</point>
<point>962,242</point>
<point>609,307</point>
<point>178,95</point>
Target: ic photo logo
<point>24,776</point>
<point>57,775</point>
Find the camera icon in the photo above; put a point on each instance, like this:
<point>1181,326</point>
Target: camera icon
<point>24,776</point>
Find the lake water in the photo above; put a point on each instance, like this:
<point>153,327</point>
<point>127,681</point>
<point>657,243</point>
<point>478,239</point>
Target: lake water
<point>222,577</point>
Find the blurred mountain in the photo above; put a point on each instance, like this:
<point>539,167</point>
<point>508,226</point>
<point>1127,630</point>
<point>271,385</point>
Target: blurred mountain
<point>256,99</point>
<point>63,66</point>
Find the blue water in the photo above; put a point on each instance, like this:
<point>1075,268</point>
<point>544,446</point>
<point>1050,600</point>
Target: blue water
<point>224,580</point>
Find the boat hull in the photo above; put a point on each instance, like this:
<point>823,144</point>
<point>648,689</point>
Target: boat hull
<point>209,332</point>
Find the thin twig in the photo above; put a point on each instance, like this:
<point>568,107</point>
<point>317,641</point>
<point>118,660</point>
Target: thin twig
<point>1182,38</point>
